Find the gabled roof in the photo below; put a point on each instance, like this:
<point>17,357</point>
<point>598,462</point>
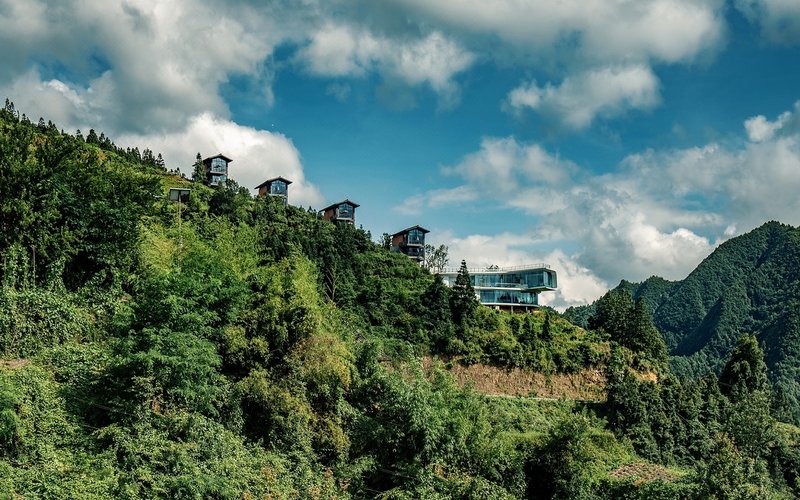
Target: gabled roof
<point>218,155</point>
<point>270,181</point>
<point>354,204</point>
<point>407,230</point>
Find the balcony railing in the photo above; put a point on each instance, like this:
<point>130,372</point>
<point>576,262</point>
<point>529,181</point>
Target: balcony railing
<point>494,269</point>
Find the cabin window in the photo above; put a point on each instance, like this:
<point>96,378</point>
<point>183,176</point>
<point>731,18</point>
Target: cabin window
<point>218,165</point>
<point>345,211</point>
<point>278,187</point>
<point>416,237</point>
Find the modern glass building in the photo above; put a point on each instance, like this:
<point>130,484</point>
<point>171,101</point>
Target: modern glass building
<point>277,187</point>
<point>342,212</point>
<point>216,169</point>
<point>512,288</point>
<point>410,241</point>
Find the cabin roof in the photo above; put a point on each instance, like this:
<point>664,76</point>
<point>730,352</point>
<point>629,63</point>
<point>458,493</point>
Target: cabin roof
<point>270,181</point>
<point>218,155</point>
<point>408,230</point>
<point>354,204</point>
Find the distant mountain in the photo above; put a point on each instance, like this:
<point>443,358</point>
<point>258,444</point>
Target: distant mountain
<point>750,284</point>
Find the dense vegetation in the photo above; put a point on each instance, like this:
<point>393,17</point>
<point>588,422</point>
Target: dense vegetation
<point>750,284</point>
<point>255,351</point>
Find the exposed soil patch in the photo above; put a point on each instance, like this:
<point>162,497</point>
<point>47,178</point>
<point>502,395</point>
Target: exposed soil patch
<point>588,384</point>
<point>14,363</point>
<point>644,473</point>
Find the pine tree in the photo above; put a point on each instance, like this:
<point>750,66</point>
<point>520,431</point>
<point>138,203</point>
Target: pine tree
<point>746,371</point>
<point>463,303</point>
<point>436,315</point>
<point>744,382</point>
<point>198,172</point>
<point>612,313</point>
<point>91,137</point>
<point>642,336</point>
<point>547,328</point>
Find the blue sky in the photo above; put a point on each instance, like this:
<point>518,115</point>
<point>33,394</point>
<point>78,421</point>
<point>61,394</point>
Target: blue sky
<point>613,139</point>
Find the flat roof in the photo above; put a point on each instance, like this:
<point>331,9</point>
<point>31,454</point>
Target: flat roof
<point>497,269</point>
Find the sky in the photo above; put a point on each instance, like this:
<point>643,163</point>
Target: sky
<point>610,139</point>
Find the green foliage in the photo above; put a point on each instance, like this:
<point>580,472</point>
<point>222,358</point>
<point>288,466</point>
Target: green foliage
<point>571,461</point>
<point>32,319</point>
<point>72,208</point>
<point>463,303</point>
<point>630,325</point>
<point>243,348</point>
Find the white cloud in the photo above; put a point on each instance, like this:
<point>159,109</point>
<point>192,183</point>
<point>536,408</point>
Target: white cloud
<point>746,186</point>
<point>577,285</point>
<point>416,204</point>
<point>760,129</point>
<point>257,154</point>
<point>607,92</point>
<point>141,65</point>
<point>659,212</point>
<point>503,164</point>
<point>779,19</point>
<point>594,30</point>
<point>338,50</point>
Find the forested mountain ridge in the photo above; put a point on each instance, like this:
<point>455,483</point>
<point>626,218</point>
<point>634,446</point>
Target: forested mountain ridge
<point>750,284</point>
<point>257,351</point>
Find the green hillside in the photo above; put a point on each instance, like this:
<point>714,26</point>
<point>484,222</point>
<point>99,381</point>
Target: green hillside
<point>747,285</point>
<point>253,350</point>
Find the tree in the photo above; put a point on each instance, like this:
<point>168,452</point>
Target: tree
<point>746,371</point>
<point>744,382</point>
<point>642,336</point>
<point>198,171</point>
<point>435,258</point>
<point>463,303</point>
<point>436,316</point>
<point>611,313</point>
<point>386,241</point>
<point>547,329</point>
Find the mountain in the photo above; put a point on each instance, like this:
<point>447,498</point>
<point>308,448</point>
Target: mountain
<point>749,284</point>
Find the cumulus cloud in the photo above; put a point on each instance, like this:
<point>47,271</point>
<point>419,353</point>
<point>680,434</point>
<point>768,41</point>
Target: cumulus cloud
<point>522,175</point>
<point>659,212</point>
<point>257,154</point>
<point>141,66</point>
<point>606,92</point>
<point>746,186</point>
<point>779,19</point>
<point>338,50</point>
<point>503,164</point>
<point>594,30</point>
<point>760,129</point>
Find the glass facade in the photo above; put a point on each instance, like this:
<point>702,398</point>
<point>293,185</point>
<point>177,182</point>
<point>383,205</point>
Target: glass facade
<point>277,188</point>
<point>345,211</point>
<point>415,251</point>
<point>507,297</point>
<point>416,237</point>
<point>537,278</point>
<point>219,165</point>
<point>495,286</point>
